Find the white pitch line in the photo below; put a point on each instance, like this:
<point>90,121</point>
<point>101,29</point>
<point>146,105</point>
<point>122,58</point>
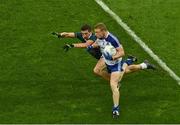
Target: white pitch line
<point>138,40</point>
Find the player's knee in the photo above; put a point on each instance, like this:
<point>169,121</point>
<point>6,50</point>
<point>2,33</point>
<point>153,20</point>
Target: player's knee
<point>114,81</point>
<point>127,70</point>
<point>114,87</point>
<point>96,71</point>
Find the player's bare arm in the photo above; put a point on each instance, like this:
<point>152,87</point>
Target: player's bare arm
<point>64,34</point>
<point>83,45</point>
<point>94,45</point>
<point>67,34</point>
<point>78,45</point>
<point>119,53</point>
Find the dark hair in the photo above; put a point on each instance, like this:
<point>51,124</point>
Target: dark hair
<point>86,27</point>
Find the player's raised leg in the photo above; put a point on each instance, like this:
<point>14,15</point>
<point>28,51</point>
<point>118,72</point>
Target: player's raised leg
<point>137,67</point>
<point>100,68</point>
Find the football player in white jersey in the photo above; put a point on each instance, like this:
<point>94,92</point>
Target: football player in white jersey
<point>116,67</point>
<point>114,64</point>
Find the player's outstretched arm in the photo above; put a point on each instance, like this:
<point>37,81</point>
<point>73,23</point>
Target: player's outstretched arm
<point>67,35</point>
<point>83,45</point>
<point>94,45</point>
<point>78,45</point>
<point>64,34</point>
<point>119,53</point>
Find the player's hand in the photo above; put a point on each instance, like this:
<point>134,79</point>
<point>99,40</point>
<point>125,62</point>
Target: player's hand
<point>67,47</point>
<point>56,34</point>
<point>89,48</point>
<point>107,56</point>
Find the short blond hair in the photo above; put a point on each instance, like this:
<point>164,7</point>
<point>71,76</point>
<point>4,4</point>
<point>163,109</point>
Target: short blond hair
<point>100,26</point>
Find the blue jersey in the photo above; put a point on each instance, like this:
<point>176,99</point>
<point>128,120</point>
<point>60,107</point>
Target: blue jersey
<point>112,40</point>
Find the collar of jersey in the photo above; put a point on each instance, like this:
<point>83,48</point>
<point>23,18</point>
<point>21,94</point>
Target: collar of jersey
<point>107,35</point>
<point>90,35</point>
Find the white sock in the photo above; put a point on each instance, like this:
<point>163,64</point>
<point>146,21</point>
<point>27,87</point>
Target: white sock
<point>143,66</point>
<point>115,105</point>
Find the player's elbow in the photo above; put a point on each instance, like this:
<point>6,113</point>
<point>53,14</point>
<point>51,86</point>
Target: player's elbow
<point>123,53</point>
<point>120,52</point>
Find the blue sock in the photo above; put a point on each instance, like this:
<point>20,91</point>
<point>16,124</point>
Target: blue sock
<point>116,108</point>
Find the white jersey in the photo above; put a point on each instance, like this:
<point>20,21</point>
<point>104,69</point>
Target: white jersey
<point>109,40</point>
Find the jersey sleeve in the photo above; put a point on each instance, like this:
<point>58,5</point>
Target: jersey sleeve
<point>116,43</point>
<point>93,38</point>
<point>77,34</point>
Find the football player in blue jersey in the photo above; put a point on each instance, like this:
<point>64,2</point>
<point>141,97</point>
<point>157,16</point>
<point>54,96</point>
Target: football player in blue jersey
<point>116,67</point>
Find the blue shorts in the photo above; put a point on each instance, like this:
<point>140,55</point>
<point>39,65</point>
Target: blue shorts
<point>115,68</point>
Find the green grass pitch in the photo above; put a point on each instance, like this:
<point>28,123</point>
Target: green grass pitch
<point>39,83</point>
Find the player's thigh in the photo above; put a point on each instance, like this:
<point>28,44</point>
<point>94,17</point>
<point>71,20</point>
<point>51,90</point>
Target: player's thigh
<point>100,64</point>
<point>115,77</point>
